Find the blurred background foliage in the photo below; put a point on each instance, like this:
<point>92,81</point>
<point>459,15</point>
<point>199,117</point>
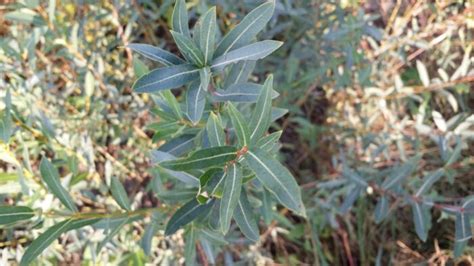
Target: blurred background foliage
<point>369,86</point>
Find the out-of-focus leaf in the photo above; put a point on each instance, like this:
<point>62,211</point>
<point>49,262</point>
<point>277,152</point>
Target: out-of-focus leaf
<point>190,246</point>
<point>422,219</point>
<point>277,179</point>
<point>139,67</point>
<point>150,230</point>
<point>247,29</point>
<point>354,177</point>
<point>12,214</point>
<point>170,99</point>
<point>399,173</point>
<point>266,143</point>
<point>230,196</point>
<point>112,233</point>
<point>381,209</point>
<point>423,73</point>
<point>119,194</point>
<point>166,78</point>
<point>213,236</point>
<point>51,178</point>
<point>463,231</point>
<point>350,199</point>
<point>429,180</point>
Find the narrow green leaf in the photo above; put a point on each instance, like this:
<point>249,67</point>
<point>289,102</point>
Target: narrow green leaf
<point>186,214</point>
<point>115,230</point>
<point>166,78</point>
<point>429,180</point>
<point>399,173</point>
<point>260,120</point>
<point>381,209</point>
<point>230,196</point>
<point>213,236</point>
<point>247,29</point>
<point>43,241</point>
<point>179,145</point>
<point>51,177</point>
<point>422,219</point>
<point>240,125</point>
<point>215,131</point>
<point>203,158</point>
<point>268,142</point>
<point>354,176</point>
<point>150,231</point>
<point>6,129</point>
<point>180,18</point>
<point>188,48</point>
<point>253,51</point>
<point>350,199</point>
<point>207,34</point>
<point>245,219</point>
<point>277,179</point>
<point>463,231</point>
<point>239,73</point>
<point>241,92</point>
<point>12,214</point>
<point>195,102</point>
<point>205,77</point>
<point>190,246</point>
<point>139,68</point>
<point>170,99</point>
<point>156,54</point>
<point>119,194</point>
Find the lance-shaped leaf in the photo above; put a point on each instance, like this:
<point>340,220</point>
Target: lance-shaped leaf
<point>354,176</point>
<point>247,29</point>
<point>195,102</point>
<point>230,196</point>
<point>12,214</point>
<point>150,231</point>
<point>156,54</point>
<point>213,236</point>
<point>240,125</point>
<point>239,73</point>
<point>186,214</point>
<point>207,34</point>
<point>205,77</point>
<point>119,193</point>
<point>422,219</point>
<point>114,231</point>
<point>350,199</point>
<point>6,128</point>
<point>51,177</point>
<point>381,209</point>
<point>260,120</point>
<point>463,231</point>
<point>166,78</point>
<point>188,48</point>
<point>241,92</point>
<point>160,156</point>
<point>190,245</point>
<point>215,131</point>
<point>180,18</point>
<point>203,159</point>
<point>179,145</point>
<point>278,113</point>
<point>429,180</point>
<point>268,142</point>
<point>276,178</point>
<point>400,173</point>
<point>252,51</point>
<point>45,239</point>
<point>245,219</point>
<point>172,103</point>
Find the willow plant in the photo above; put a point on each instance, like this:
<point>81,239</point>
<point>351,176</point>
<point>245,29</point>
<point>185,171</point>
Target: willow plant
<point>215,159</point>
